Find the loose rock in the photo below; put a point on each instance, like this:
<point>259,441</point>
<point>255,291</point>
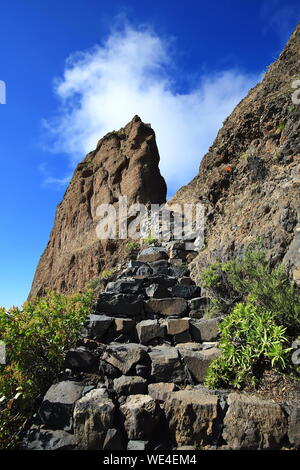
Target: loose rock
<point>142,415</point>
<point>124,356</point>
<point>58,403</point>
<point>93,417</point>
<point>150,329</point>
<point>252,423</point>
<point>166,365</point>
<point>191,416</point>
<point>166,307</point>
<point>130,385</point>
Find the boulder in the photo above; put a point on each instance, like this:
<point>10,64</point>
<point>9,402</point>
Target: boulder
<point>166,307</point>
<point>160,268</point>
<point>160,391</point>
<point>253,423</point>
<point>197,361</point>
<point>186,292</point>
<point>108,370</point>
<point>177,325</point>
<point>57,407</point>
<point>124,356</point>
<point>80,359</point>
<point>191,416</point>
<point>47,439</point>
<point>205,330</point>
<point>93,416</point>
<point>152,253</point>
<point>141,415</point>
<point>165,281</point>
<point>130,385</point>
<point>124,286</point>
<point>120,304</point>
<point>124,325</point>
<point>178,271</point>
<point>157,291</point>
<point>150,329</point>
<point>96,326</point>
<point>166,365</point>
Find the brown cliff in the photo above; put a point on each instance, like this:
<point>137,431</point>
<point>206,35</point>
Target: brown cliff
<point>249,181</point>
<point>123,163</point>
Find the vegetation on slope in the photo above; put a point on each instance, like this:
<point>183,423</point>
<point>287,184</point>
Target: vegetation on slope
<point>263,317</point>
<point>36,337</point>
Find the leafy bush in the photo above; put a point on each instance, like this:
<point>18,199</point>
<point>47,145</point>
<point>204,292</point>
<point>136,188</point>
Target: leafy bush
<point>250,342</point>
<point>36,337</point>
<point>251,278</point>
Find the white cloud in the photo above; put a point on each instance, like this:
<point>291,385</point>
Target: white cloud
<point>133,72</point>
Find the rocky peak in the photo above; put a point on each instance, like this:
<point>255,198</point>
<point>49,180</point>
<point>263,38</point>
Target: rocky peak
<point>124,163</point>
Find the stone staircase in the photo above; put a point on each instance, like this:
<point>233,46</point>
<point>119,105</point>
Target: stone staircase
<point>135,379</point>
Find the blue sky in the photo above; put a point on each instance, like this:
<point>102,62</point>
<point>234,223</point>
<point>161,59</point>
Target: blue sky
<point>75,69</point>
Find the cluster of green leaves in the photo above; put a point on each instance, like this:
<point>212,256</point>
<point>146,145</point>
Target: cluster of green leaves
<point>250,342</point>
<point>132,246</point>
<point>108,273</point>
<point>263,316</point>
<point>149,240</point>
<point>250,278</point>
<point>36,337</point>
<point>280,127</point>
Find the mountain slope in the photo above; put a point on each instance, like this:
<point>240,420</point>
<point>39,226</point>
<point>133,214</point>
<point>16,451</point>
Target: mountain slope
<point>249,181</point>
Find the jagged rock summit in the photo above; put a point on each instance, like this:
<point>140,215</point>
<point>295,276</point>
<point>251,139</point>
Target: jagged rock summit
<point>124,163</point>
<point>249,181</point>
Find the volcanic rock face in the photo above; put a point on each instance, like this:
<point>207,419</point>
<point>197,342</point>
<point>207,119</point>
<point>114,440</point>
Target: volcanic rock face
<point>249,181</point>
<point>124,163</point>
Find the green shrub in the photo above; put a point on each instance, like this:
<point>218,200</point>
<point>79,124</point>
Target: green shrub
<point>280,127</point>
<point>132,246</point>
<point>251,278</point>
<point>250,342</point>
<point>36,337</point>
<point>212,310</point>
<point>149,240</point>
<point>108,273</point>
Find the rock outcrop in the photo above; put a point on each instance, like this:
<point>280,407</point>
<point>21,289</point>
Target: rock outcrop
<point>249,181</point>
<point>124,163</point>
